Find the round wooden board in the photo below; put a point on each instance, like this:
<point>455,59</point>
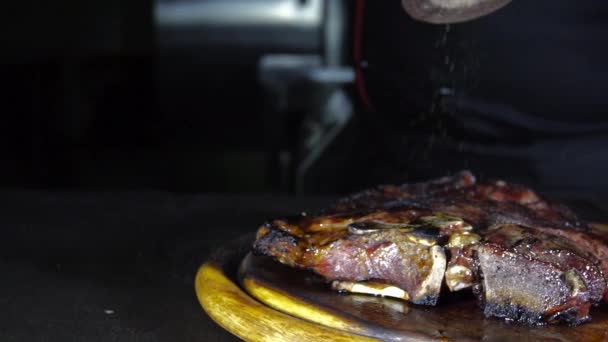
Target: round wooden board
<point>456,318</point>
<point>233,309</point>
<point>284,304</point>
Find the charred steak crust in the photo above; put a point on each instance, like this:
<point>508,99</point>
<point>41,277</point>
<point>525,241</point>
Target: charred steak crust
<point>384,195</point>
<point>532,277</point>
<point>527,259</point>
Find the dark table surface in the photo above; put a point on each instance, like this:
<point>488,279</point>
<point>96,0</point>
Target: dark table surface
<point>121,266</point>
<point>117,266</point>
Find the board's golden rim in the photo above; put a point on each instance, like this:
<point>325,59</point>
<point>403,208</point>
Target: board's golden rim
<point>246,318</point>
<point>602,227</point>
<point>287,304</point>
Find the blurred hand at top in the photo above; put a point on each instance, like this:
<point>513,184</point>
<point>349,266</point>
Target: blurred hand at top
<point>451,11</point>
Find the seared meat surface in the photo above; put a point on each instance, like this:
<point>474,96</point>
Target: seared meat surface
<point>526,259</point>
<point>531,276</point>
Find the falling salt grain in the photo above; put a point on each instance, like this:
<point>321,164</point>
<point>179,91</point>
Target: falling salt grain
<point>108,311</point>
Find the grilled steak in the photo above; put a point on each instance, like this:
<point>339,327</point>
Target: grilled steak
<point>526,259</point>
<point>533,277</point>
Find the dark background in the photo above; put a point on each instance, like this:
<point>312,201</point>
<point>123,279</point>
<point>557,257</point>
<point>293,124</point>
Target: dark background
<point>91,100</point>
<point>131,96</point>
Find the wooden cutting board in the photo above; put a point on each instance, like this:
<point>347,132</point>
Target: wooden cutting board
<point>284,304</point>
<point>233,309</point>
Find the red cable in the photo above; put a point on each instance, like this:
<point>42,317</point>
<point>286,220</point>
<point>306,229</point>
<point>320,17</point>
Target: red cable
<point>358,55</point>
